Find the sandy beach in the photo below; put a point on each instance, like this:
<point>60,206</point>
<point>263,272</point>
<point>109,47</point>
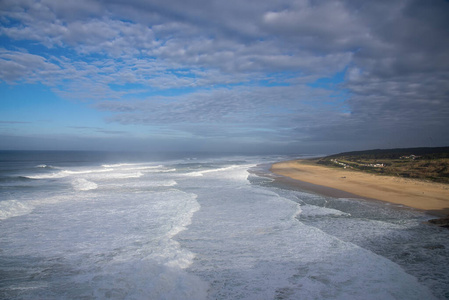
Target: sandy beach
<point>427,196</point>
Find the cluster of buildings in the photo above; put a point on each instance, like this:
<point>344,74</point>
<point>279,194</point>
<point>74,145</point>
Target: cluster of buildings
<point>373,165</point>
<point>409,157</point>
<point>361,165</point>
<point>340,163</point>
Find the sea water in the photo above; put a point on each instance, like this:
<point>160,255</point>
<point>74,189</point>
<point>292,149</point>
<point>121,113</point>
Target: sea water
<point>78,225</point>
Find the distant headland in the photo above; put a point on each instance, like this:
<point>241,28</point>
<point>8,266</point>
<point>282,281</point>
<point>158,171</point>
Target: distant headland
<point>419,163</point>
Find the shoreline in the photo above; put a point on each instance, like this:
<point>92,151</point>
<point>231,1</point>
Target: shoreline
<point>430,197</point>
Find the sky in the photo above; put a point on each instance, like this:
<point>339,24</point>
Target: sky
<point>262,76</point>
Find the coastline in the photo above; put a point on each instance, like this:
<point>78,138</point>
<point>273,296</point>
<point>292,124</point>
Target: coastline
<point>430,197</point>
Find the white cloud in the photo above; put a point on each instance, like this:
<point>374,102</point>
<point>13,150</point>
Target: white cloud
<point>215,56</point>
<point>18,65</point>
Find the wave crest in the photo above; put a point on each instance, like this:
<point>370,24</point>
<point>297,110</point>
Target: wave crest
<point>13,208</point>
<point>82,184</point>
<point>44,166</point>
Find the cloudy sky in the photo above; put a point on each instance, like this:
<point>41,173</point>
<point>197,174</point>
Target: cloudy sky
<point>243,76</point>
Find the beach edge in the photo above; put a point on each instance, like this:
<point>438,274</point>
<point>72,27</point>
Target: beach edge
<point>429,197</point>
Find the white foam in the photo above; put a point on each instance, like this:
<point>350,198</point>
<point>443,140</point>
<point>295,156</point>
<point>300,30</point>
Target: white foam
<point>232,167</point>
<point>146,280</point>
<point>66,173</point>
<point>252,247</point>
<point>195,174</point>
<point>14,208</point>
<point>99,173</point>
<point>139,185</point>
<point>184,219</point>
<point>49,176</point>
<point>43,166</point>
<point>136,236</point>
<point>87,171</point>
<point>160,170</point>
<point>120,246</point>
<point>118,165</point>
<point>143,168</point>
<point>121,175</point>
<point>201,173</point>
<point>139,167</point>
<point>82,184</point>
<point>167,183</point>
<point>314,211</point>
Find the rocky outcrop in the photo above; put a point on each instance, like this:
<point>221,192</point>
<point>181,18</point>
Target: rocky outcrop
<point>441,222</point>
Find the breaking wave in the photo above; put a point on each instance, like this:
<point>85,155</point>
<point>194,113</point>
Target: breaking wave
<point>13,208</point>
<point>83,185</point>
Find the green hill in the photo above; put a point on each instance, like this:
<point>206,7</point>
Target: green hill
<point>420,163</point>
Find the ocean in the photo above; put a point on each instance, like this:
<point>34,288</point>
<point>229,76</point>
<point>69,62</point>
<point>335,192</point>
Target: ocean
<point>94,225</point>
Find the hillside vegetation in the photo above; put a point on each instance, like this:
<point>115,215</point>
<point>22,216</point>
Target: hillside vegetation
<point>420,163</point>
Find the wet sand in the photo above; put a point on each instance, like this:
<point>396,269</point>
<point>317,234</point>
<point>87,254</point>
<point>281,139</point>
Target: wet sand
<point>428,196</point>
